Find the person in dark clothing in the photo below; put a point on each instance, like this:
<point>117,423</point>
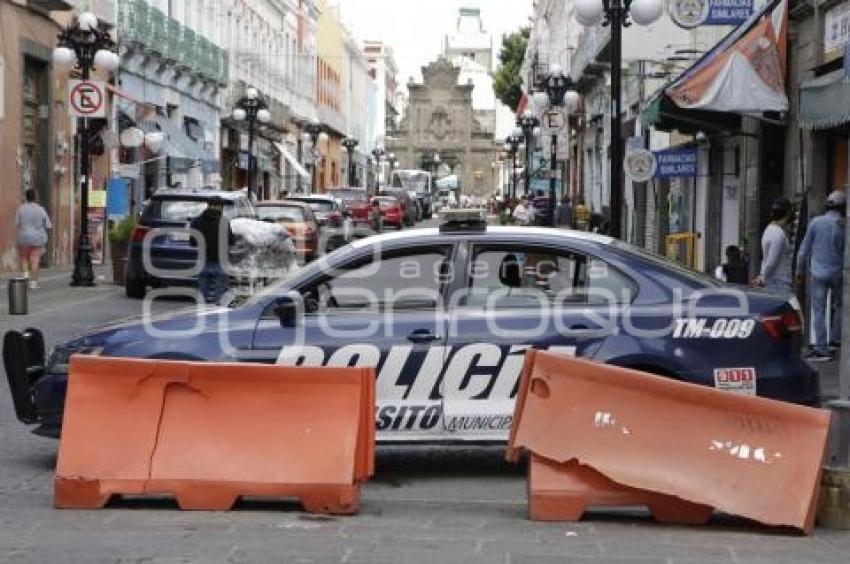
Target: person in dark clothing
<point>734,270</point>
<point>564,214</point>
<point>214,228</point>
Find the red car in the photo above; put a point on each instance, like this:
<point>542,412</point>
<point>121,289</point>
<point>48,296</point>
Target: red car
<point>356,202</point>
<point>391,211</point>
<point>298,220</point>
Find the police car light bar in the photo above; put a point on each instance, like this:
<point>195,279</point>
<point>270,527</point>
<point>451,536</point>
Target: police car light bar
<point>453,220</point>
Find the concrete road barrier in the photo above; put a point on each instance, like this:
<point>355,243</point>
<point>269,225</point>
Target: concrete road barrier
<point>208,433</point>
<point>743,455</point>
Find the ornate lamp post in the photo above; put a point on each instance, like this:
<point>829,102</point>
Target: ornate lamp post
<point>556,95</point>
<point>314,134</point>
<point>349,143</point>
<point>253,109</point>
<point>85,46</point>
<point>378,154</point>
<point>618,14</point>
<point>512,145</point>
<point>530,127</point>
<point>393,162</point>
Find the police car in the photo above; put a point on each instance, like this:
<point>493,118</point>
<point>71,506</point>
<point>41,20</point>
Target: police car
<point>446,315</point>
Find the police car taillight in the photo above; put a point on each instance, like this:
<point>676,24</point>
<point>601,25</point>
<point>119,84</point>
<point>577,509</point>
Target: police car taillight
<point>463,220</point>
<point>784,325</point>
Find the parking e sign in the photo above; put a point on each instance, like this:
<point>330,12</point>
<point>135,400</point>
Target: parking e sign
<point>87,98</point>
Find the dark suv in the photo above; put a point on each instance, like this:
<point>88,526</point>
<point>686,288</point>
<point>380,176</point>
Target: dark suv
<point>172,254</point>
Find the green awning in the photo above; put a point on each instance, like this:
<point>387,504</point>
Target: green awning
<point>825,101</point>
<point>663,115</point>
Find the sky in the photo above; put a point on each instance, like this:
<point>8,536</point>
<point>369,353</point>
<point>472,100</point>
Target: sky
<point>415,28</point>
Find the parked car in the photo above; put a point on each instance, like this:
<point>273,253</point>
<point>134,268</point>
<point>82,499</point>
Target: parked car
<point>408,207</point>
<point>299,221</point>
<point>356,202</point>
<point>172,254</point>
<point>391,211</point>
<point>330,212</point>
<point>450,313</point>
<point>420,183</point>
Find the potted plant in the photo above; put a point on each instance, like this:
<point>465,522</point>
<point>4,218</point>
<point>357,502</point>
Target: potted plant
<point>119,238</point>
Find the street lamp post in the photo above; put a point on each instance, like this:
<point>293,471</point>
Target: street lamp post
<point>530,128</point>
<point>618,14</point>
<point>314,134</point>
<point>253,108</point>
<point>350,143</point>
<point>378,154</point>
<point>512,144</point>
<point>557,95</point>
<point>393,162</point>
<point>85,46</point>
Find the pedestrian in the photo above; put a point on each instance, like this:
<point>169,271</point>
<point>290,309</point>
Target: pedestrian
<point>734,270</point>
<point>775,272</point>
<point>581,215</point>
<point>31,223</point>
<point>214,228</point>
<point>523,213</point>
<point>564,214</point>
<point>822,257</point>
<point>377,220</point>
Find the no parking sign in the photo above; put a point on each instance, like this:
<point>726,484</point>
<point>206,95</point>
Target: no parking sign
<point>87,98</point>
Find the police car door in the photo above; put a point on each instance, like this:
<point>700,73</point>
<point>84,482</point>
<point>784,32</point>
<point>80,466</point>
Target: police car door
<point>514,296</point>
<point>384,310</point>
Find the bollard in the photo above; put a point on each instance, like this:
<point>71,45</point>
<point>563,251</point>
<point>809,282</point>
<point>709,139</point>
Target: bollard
<point>17,290</point>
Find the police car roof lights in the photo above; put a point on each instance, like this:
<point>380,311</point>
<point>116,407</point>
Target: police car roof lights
<point>454,220</point>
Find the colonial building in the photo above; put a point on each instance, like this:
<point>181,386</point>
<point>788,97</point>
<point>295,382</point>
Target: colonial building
<point>440,131</point>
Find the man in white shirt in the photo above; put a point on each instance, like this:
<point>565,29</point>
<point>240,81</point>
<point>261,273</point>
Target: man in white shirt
<point>524,213</point>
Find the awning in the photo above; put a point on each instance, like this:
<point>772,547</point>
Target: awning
<point>663,115</point>
<point>299,169</point>
<point>178,145</point>
<point>825,101</point>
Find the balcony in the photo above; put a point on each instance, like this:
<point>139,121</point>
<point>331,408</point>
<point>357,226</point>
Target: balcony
<point>145,26</point>
<point>591,44</point>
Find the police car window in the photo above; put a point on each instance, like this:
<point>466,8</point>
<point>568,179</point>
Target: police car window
<point>527,277</point>
<point>412,280</point>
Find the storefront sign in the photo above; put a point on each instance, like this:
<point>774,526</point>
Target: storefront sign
<point>117,198</point>
<point>692,13</point>
<point>676,163</point>
<point>836,31</point>
<point>640,164</point>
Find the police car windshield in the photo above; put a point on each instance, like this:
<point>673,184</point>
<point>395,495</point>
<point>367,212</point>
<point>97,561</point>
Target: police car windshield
<point>678,268</point>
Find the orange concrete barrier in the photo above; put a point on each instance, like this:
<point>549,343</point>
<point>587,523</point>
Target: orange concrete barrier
<point>564,491</point>
<point>743,455</point>
<point>208,433</point>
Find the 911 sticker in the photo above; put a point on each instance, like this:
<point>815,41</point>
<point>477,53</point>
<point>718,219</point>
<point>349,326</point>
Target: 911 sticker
<point>737,380</point>
<point>719,328</point>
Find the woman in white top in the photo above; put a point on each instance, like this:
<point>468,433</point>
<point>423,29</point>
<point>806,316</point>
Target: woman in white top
<point>32,224</point>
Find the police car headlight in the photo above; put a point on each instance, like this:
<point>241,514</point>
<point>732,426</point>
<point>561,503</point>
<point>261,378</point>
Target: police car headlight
<point>59,360</point>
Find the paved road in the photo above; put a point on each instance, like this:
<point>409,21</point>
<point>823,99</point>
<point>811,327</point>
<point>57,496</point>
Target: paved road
<point>453,505</point>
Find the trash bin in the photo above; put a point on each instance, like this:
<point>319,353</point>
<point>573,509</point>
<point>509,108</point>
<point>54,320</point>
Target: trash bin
<point>18,295</point>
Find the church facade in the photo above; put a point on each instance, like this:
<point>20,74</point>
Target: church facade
<point>441,133</point>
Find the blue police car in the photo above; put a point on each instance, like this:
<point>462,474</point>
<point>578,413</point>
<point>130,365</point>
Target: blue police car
<point>446,316</point>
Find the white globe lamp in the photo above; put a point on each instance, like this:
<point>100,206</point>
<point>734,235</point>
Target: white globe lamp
<point>251,93</point>
<point>154,141</point>
<point>132,137</point>
<point>588,12</point>
<point>645,12</point>
<point>106,60</point>
<point>64,57</point>
<point>263,115</point>
<point>571,99</point>
<point>239,114</point>
<point>87,21</point>
<point>540,98</point>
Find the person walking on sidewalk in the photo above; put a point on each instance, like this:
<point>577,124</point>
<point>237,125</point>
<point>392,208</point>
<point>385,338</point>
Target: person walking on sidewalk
<point>822,256</point>
<point>214,227</point>
<point>524,212</point>
<point>775,273</point>
<point>32,223</point>
<point>564,214</point>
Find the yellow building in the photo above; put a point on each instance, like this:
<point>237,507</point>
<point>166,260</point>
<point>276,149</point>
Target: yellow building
<point>329,93</point>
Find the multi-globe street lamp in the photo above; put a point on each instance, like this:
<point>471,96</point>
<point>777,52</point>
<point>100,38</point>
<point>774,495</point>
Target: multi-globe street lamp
<point>393,162</point>
<point>558,94</point>
<point>253,109</point>
<point>349,143</point>
<point>529,126</point>
<point>314,134</point>
<point>378,154</point>
<point>618,14</point>
<point>86,46</point>
<point>512,145</point>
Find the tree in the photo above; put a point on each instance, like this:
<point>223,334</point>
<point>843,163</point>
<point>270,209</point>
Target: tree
<point>507,81</point>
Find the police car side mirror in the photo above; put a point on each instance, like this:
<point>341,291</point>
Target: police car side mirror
<point>288,309</point>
